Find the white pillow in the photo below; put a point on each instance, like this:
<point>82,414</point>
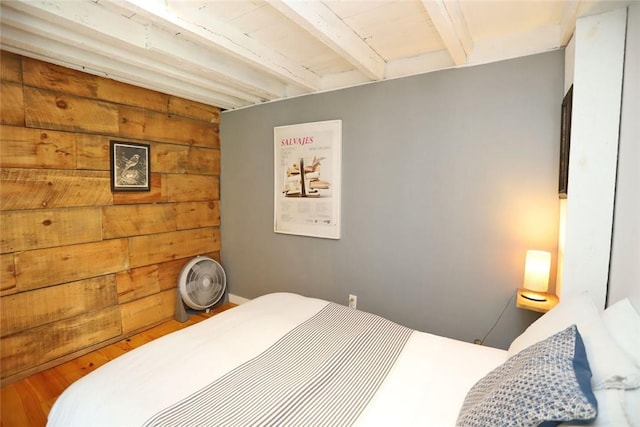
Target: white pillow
<point>576,310</point>
<point>632,406</point>
<point>623,323</point>
<point>610,365</point>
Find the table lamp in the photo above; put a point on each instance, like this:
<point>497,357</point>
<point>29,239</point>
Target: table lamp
<point>536,275</point>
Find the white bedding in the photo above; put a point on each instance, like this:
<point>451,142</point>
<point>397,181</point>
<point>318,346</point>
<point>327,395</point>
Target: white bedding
<point>426,385</point>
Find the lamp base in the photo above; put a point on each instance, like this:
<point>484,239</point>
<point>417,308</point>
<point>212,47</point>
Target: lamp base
<point>530,297</point>
<point>536,301</point>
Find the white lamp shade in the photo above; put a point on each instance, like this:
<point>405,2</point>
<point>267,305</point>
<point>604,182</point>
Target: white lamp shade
<point>536,271</point>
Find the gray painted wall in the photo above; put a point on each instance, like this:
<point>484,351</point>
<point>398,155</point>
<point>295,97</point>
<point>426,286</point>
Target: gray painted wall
<point>447,179</point>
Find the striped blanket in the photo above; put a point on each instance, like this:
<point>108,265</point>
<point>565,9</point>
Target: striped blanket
<point>323,372</point>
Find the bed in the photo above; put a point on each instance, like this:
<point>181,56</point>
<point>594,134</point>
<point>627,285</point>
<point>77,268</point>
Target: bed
<point>285,359</point>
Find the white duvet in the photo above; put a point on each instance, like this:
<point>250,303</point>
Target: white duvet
<point>425,387</point>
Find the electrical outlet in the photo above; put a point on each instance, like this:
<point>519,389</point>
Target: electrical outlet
<point>353,301</point>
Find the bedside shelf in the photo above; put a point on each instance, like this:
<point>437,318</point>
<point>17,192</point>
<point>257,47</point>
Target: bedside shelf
<point>539,306</point>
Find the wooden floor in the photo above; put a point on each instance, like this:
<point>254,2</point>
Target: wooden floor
<point>27,403</point>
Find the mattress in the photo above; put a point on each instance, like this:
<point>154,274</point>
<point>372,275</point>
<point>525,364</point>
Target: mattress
<point>424,384</point>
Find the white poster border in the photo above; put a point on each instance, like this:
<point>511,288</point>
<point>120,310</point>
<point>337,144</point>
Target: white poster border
<point>307,179</point>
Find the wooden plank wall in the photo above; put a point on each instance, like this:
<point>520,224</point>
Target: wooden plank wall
<point>82,267</point>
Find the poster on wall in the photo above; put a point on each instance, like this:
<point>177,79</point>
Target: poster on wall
<point>130,166</point>
<point>307,179</point>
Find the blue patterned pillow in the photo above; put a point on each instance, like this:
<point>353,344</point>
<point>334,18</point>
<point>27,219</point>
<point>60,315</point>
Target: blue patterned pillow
<point>543,385</point>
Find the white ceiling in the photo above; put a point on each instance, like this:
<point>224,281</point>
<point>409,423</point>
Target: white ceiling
<point>236,53</point>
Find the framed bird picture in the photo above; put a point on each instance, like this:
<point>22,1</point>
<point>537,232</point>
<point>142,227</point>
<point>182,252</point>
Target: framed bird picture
<point>130,166</point>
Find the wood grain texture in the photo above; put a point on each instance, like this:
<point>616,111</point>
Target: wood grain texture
<point>11,104</point>
<point>34,148</point>
<point>197,214</point>
<point>60,79</point>
<point>74,262</point>
<point>196,110</point>
<point>202,161</point>
<point>7,274</point>
<point>61,111</point>
<point>11,92</point>
<point>144,124</point>
<point>42,188</point>
<point>35,346</point>
<point>10,67</point>
<point>157,248</point>
<point>92,152</point>
<point>137,283</point>
<point>173,158</point>
<point>148,310</point>
<point>27,399</point>
<point>35,229</point>
<point>190,188</point>
<point>133,220</point>
<point>168,272</point>
<point>154,195</point>
<point>39,307</point>
<point>70,245</point>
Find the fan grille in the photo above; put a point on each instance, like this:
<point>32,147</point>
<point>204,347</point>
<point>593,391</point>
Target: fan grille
<point>204,283</point>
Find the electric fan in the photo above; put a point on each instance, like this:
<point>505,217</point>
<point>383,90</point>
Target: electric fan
<point>202,284</point>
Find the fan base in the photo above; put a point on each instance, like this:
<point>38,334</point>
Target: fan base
<point>183,312</point>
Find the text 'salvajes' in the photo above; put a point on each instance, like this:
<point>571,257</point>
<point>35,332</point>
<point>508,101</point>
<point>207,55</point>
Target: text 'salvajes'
<point>299,140</point>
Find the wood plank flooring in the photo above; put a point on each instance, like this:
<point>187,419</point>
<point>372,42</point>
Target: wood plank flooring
<point>27,403</point>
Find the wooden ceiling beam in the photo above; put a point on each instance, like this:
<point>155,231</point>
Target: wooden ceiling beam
<point>192,59</point>
<point>323,24</point>
<point>449,22</point>
<point>460,25</point>
<point>170,81</point>
<point>226,39</point>
<point>98,30</point>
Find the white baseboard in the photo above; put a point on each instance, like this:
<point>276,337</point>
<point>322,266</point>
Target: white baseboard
<point>237,299</point>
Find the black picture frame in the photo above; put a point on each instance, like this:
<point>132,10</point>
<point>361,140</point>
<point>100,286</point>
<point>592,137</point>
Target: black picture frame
<point>565,143</point>
<point>130,166</point>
